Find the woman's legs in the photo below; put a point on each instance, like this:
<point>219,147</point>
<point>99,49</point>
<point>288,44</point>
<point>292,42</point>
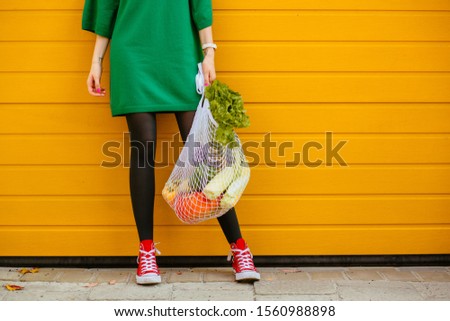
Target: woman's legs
<point>142,127</point>
<point>230,226</point>
<point>228,221</point>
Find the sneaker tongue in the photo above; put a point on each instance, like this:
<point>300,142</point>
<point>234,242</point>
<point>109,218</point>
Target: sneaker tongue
<point>147,245</point>
<point>240,244</point>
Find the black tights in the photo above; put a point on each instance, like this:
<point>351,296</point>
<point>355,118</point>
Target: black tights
<point>142,127</point>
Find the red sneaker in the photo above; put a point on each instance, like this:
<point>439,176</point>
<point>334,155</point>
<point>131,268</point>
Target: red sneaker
<point>243,265</point>
<point>147,271</point>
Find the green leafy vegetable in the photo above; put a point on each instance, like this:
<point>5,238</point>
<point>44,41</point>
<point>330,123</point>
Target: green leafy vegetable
<point>227,108</point>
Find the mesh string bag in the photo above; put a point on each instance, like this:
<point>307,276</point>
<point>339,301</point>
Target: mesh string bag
<point>209,177</point>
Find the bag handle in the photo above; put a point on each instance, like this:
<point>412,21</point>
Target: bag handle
<point>200,82</point>
<point>200,79</point>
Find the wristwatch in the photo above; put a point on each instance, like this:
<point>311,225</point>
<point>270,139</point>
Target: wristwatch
<point>209,45</point>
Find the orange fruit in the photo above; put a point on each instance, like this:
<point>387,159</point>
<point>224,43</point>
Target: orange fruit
<point>195,206</point>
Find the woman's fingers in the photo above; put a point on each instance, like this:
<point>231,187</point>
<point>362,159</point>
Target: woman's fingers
<point>212,75</point>
<point>205,74</point>
<point>98,88</point>
<point>94,78</point>
<point>209,73</point>
<point>94,87</point>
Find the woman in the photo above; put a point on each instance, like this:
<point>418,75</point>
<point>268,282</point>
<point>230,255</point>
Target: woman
<point>155,49</point>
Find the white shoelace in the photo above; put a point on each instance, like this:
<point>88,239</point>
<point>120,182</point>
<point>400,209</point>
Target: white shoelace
<point>148,259</point>
<point>243,258</point>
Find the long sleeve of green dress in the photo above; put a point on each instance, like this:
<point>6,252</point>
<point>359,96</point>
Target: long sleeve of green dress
<point>99,16</point>
<point>202,13</point>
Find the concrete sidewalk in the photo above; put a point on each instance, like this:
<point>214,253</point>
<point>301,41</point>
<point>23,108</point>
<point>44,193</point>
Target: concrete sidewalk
<point>202,284</point>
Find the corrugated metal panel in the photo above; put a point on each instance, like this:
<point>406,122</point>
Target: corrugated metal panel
<point>374,74</point>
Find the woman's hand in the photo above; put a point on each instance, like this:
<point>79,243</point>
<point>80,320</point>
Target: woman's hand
<point>94,79</point>
<point>209,70</point>
<point>95,75</point>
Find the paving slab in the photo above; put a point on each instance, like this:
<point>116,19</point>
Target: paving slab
<point>423,268</point>
<point>64,296</point>
<point>319,269</point>
<point>161,291</point>
<point>31,286</point>
<point>372,268</point>
<point>290,276</point>
<point>10,274</point>
<point>218,269</point>
<point>3,291</point>
<point>400,276</point>
<point>294,287</point>
<point>44,275</point>
<point>65,292</point>
<point>268,276</point>
<point>298,297</point>
<point>214,286</point>
<point>77,275</point>
<point>117,276</point>
<point>363,275</point>
<point>435,276</point>
<point>268,269</point>
<point>213,291</point>
<point>219,276</point>
<point>212,296</point>
<point>377,291</point>
<point>434,291</point>
<point>105,292</point>
<point>184,276</point>
<point>36,295</point>
<point>327,275</point>
<point>48,291</point>
<point>131,292</point>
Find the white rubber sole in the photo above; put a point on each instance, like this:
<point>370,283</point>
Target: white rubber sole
<point>148,279</point>
<point>248,276</point>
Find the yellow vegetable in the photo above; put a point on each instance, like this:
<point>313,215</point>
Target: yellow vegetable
<point>169,194</point>
<point>235,190</point>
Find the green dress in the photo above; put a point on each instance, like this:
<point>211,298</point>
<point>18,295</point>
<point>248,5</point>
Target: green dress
<point>154,51</point>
